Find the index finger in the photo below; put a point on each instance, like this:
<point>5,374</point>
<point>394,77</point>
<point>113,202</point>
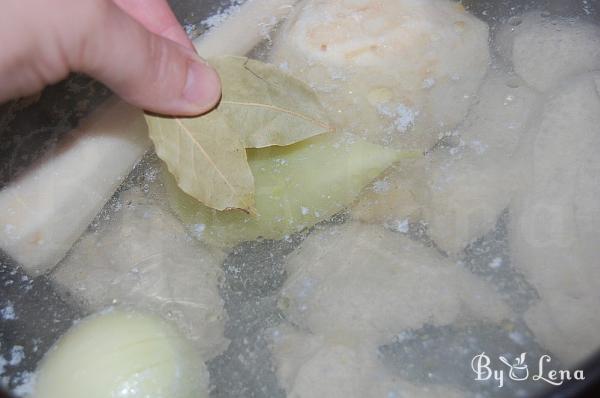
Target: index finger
<point>157,17</point>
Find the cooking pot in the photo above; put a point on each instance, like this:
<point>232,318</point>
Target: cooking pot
<point>35,313</point>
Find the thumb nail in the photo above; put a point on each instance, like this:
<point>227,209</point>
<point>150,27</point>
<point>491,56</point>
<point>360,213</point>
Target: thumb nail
<point>202,86</point>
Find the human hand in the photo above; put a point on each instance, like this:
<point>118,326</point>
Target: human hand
<point>136,47</point>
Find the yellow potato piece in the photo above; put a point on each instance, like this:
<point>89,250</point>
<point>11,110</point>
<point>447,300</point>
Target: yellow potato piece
<point>297,186</point>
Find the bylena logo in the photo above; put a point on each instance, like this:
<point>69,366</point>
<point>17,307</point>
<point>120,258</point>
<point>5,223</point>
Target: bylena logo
<point>518,370</point>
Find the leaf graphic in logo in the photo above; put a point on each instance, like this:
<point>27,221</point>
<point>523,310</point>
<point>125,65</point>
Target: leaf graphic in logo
<point>207,159</point>
<point>519,371</point>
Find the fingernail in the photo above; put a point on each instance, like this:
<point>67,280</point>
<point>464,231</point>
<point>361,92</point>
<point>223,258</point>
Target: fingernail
<point>202,86</point>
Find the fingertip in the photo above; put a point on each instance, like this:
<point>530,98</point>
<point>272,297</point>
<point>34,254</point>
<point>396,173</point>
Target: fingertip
<point>146,69</point>
<point>202,90</point>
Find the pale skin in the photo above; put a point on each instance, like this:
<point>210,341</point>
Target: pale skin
<point>136,47</point>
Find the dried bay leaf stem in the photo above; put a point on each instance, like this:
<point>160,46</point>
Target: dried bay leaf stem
<point>326,127</point>
<point>290,111</point>
<point>207,159</point>
<point>261,106</point>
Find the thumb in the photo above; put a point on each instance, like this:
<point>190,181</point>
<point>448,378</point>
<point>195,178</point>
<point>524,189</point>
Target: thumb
<point>145,69</point>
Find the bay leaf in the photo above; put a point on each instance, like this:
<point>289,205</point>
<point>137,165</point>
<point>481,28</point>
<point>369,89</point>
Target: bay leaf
<point>267,105</point>
<point>207,159</point>
<point>261,106</point>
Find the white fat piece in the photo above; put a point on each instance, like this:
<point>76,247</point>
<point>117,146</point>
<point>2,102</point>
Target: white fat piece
<point>362,284</point>
<point>311,366</point>
<point>45,210</point>
<point>545,50</point>
<point>397,72</point>
<point>553,233</point>
<point>144,259</point>
<point>470,185</point>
